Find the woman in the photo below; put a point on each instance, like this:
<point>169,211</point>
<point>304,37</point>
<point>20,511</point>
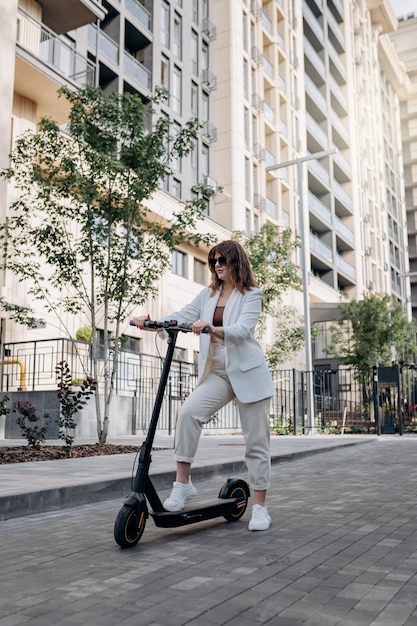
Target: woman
<point>231,365</point>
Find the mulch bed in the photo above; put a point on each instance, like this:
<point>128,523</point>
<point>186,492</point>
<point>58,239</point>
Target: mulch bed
<point>23,454</point>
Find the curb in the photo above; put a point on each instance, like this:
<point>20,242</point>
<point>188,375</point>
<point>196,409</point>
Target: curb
<point>45,500</point>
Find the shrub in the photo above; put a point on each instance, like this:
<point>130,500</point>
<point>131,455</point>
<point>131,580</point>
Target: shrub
<point>30,423</point>
<point>70,402</point>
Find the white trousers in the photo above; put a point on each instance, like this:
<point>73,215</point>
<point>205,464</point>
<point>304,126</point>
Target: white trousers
<point>213,393</point>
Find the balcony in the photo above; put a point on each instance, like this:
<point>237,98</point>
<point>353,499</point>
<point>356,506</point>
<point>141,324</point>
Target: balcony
<point>61,17</point>
<point>320,248</point>
<point>318,135</point>
<point>266,23</point>
<point>343,201</point>
<point>45,62</point>
<point>209,131</point>
<point>335,34</point>
<point>209,79</point>
<point>135,70</point>
<point>337,67</point>
<point>346,268</point>
<point>319,210</point>
<point>269,113</point>
<point>106,45</point>
<point>344,232</point>
<point>138,11</point>
<point>315,28</point>
<point>209,28</point>
<point>271,207</point>
<point>267,67</point>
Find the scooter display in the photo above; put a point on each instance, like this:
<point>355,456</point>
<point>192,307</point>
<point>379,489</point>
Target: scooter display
<point>130,522</point>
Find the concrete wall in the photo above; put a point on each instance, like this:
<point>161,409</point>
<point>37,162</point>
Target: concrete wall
<point>121,419</point>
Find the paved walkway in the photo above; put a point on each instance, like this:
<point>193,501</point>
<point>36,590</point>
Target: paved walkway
<point>341,551</point>
<point>27,488</point>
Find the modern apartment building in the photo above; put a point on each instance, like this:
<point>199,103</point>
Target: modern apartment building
<point>404,39</point>
<point>274,82</point>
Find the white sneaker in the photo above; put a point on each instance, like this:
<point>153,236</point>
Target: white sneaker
<point>179,495</point>
<point>260,519</point>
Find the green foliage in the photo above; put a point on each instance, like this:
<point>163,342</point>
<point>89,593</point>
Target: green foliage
<point>85,333</point>
<point>33,426</point>
<point>270,251</point>
<point>4,410</point>
<point>370,331</point>
<point>70,402</point>
<point>95,249</point>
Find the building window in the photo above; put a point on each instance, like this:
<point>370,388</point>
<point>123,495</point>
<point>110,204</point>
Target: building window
<point>194,53</point>
<point>247,221</point>
<point>165,72</point>
<point>205,107</point>
<point>194,11</point>
<point>177,44</point>
<point>246,127</point>
<point>205,167</point>
<point>204,57</point>
<point>245,80</point>
<point>247,180</point>
<point>131,344</point>
<point>176,159</point>
<point>194,99</point>
<point>200,272</point>
<point>176,188</point>
<point>194,163</point>
<point>165,23</point>
<point>178,263</point>
<point>255,179</point>
<point>245,32</point>
<point>176,90</point>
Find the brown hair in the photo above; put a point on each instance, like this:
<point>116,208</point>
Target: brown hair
<point>237,260</point>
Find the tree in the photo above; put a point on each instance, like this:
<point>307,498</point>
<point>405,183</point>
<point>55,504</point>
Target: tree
<point>95,250</point>
<point>371,332</point>
<point>269,252</point>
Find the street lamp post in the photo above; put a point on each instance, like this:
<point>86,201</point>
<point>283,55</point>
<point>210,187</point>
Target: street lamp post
<point>305,265</point>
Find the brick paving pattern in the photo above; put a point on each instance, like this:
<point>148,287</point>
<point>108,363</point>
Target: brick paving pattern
<point>342,550</point>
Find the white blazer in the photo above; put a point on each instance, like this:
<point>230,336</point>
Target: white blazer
<point>245,362</point>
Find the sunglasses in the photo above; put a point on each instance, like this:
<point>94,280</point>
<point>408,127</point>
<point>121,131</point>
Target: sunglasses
<point>221,260</point>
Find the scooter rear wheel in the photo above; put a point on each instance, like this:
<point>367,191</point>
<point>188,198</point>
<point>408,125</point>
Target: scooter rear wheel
<point>129,525</point>
<point>239,489</point>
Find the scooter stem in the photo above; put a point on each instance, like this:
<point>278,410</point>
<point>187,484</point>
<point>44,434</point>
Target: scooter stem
<point>145,458</point>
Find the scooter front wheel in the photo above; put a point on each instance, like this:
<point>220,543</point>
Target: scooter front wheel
<point>239,489</point>
<point>129,525</point>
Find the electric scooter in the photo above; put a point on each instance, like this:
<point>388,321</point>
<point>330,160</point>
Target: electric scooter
<point>130,522</point>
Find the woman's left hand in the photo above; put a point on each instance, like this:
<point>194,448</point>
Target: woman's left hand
<point>200,325</point>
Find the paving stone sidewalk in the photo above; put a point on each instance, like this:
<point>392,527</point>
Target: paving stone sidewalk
<point>341,551</point>
<point>27,488</point>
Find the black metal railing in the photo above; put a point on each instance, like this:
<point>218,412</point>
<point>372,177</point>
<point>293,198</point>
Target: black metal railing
<point>345,400</point>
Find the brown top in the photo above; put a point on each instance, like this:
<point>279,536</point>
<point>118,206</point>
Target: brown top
<point>218,316</point>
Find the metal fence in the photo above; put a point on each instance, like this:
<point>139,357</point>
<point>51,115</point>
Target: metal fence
<point>345,400</point>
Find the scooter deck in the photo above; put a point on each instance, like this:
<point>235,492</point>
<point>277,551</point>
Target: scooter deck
<point>204,511</point>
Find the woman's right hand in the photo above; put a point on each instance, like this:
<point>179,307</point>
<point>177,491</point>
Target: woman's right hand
<point>140,321</point>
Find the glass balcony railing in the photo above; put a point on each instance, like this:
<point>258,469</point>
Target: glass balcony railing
<point>45,45</point>
<point>317,246</point>
<point>345,267</point>
<point>137,71</point>
<point>139,12</point>
<point>266,22</point>
<point>344,231</point>
<point>107,46</point>
<point>319,209</point>
<point>271,207</point>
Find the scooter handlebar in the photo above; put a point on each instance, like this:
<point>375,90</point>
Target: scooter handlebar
<point>171,324</point>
